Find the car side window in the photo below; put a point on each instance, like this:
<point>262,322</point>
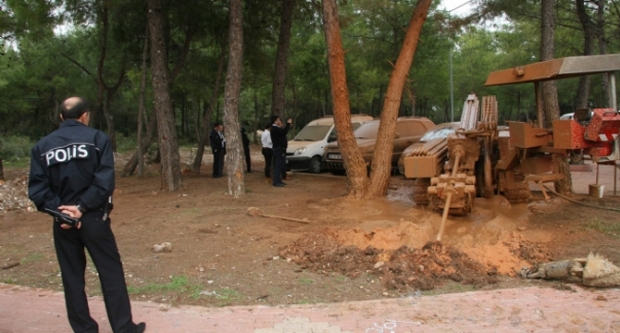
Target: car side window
<point>402,128</point>
<point>417,128</point>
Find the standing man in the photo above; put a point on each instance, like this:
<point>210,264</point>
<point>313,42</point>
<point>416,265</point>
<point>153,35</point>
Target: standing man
<point>218,147</point>
<point>246,149</point>
<point>265,139</point>
<point>280,142</point>
<point>72,172</point>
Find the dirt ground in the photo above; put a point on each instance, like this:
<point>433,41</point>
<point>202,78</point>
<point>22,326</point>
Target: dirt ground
<point>349,250</point>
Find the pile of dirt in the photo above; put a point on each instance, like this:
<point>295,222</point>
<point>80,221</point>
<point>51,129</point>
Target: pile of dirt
<point>420,268</point>
<point>14,195</point>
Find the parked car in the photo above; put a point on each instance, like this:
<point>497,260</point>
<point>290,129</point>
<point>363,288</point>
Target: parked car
<point>305,151</point>
<point>441,131</point>
<point>408,131</point>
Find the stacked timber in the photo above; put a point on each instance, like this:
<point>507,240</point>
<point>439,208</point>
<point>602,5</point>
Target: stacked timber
<point>437,147</point>
<point>469,118</point>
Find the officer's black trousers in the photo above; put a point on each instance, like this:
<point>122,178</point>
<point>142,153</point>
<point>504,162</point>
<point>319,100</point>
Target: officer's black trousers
<point>248,160</point>
<point>268,154</point>
<point>96,236</point>
<point>218,163</point>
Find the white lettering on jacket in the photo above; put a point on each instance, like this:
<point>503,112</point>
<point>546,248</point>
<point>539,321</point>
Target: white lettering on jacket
<point>66,154</point>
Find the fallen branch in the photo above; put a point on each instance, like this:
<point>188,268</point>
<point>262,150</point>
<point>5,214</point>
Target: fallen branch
<point>10,265</point>
<point>253,211</point>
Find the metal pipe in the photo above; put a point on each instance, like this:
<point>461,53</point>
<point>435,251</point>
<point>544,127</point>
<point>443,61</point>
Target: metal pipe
<point>614,100</point>
<point>446,207</point>
<point>615,178</point>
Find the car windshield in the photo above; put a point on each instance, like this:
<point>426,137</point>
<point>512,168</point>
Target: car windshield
<point>312,133</point>
<point>333,136</point>
<point>367,131</point>
<point>439,133</point>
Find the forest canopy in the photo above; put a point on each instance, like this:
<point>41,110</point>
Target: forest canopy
<point>52,49</point>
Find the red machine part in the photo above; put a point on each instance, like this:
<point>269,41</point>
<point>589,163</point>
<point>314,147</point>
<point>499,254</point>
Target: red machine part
<point>604,126</point>
<point>596,139</point>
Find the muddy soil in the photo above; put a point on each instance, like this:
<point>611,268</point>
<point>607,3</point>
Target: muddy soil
<point>350,250</point>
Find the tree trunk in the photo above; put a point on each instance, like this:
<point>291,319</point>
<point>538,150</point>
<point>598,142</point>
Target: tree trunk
<point>235,162</point>
<point>146,142</point>
<point>167,136</point>
<point>206,120</point>
<point>141,108</point>
<point>551,106</point>
<point>588,49</point>
<point>284,40</point>
<point>382,157</point>
<point>602,48</point>
<point>352,157</point>
<point>256,117</point>
<point>1,170</point>
<point>109,118</point>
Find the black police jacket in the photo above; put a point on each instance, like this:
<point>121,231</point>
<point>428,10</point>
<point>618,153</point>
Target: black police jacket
<point>72,165</point>
<point>278,136</point>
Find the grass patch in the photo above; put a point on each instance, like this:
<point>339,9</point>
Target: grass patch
<point>304,301</point>
<point>31,258</point>
<point>608,228</point>
<point>22,163</point>
<point>227,294</point>
<point>304,281</point>
<point>341,278</point>
<point>179,284</point>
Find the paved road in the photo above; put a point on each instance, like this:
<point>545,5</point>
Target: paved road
<point>530,309</point>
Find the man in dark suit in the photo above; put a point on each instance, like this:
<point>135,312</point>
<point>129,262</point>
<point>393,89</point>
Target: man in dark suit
<point>280,142</point>
<point>246,149</point>
<point>218,147</point>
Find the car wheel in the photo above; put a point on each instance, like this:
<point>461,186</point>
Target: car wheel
<point>315,165</point>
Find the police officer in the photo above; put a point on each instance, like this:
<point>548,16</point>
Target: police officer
<point>72,172</point>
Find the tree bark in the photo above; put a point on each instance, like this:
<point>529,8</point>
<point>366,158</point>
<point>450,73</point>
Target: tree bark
<point>206,120</point>
<point>382,157</point>
<point>141,108</point>
<point>602,49</point>
<point>235,163</point>
<point>1,170</point>
<point>551,105</point>
<point>284,41</point>
<point>352,157</point>
<point>588,49</point>
<point>167,136</point>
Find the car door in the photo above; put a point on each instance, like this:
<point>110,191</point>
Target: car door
<point>401,139</point>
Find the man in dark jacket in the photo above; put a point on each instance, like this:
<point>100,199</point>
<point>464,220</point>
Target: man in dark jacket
<point>218,147</point>
<point>246,149</point>
<point>280,142</point>
<point>72,172</point>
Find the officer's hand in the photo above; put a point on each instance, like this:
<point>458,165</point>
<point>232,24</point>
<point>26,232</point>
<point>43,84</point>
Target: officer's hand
<point>66,226</point>
<point>290,121</point>
<point>72,211</point>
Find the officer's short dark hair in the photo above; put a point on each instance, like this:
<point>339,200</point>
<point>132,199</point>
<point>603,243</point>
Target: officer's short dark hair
<point>274,118</point>
<point>74,110</point>
<point>267,126</point>
<point>216,124</point>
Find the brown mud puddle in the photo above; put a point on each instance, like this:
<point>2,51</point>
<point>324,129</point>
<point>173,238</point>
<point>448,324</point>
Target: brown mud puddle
<point>476,248</point>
